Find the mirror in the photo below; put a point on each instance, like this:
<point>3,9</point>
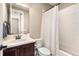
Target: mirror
<point>17,21</point>
<point>18,18</point>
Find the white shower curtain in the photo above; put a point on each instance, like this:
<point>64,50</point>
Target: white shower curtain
<point>50,29</point>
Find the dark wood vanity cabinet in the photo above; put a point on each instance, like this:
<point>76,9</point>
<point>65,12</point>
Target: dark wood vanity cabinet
<point>26,50</point>
<point>10,52</point>
<point>22,50</point>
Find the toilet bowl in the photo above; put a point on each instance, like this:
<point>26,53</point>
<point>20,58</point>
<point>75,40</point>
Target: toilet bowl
<point>41,50</point>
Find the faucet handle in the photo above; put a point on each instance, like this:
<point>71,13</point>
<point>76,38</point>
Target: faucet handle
<point>3,46</point>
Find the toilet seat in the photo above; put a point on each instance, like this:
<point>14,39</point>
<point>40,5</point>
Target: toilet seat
<point>44,51</point>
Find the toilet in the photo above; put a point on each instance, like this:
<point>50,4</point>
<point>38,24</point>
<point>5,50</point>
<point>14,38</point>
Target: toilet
<point>40,50</point>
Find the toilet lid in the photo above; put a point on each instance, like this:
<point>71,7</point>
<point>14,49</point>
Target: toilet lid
<point>44,51</point>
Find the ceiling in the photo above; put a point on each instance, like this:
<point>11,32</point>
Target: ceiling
<point>52,4</point>
<point>32,4</point>
<point>26,6</point>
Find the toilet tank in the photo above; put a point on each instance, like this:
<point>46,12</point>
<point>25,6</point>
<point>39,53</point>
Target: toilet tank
<point>39,43</point>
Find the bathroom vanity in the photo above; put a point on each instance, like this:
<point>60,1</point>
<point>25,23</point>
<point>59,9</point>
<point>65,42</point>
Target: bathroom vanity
<point>22,50</point>
<point>19,47</point>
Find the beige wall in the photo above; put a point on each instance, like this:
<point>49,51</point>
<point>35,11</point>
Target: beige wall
<point>35,14</point>
<point>69,29</point>
<point>3,17</point>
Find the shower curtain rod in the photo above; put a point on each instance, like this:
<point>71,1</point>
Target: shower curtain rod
<point>56,5</point>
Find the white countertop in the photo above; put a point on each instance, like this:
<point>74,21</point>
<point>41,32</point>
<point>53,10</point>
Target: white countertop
<point>10,41</point>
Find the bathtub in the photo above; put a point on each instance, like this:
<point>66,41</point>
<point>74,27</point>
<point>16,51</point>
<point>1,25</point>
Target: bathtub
<point>60,52</point>
<point>63,53</point>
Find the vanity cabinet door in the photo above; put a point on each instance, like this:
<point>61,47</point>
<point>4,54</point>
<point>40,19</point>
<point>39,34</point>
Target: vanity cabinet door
<point>10,52</point>
<point>26,50</point>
